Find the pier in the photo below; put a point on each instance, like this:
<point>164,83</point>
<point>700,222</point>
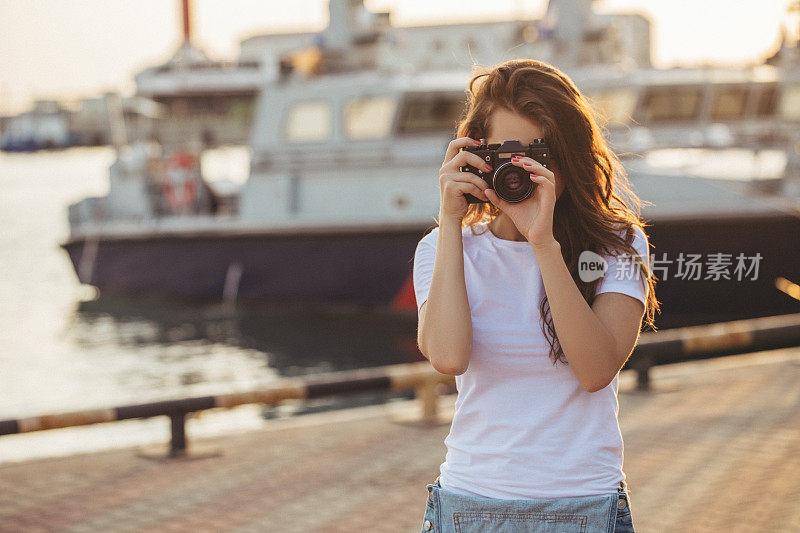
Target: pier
<point>713,445</point>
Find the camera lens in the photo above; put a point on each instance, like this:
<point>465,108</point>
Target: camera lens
<point>512,183</point>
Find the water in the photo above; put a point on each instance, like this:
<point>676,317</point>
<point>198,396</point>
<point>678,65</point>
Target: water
<point>65,349</point>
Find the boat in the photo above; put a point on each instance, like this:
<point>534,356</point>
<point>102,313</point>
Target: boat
<point>343,184</point>
<point>45,127</point>
<point>214,100</point>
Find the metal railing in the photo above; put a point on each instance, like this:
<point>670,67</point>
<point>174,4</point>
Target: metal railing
<point>724,338</point>
<point>653,348</point>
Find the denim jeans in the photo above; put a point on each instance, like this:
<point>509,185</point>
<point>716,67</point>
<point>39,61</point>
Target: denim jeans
<point>451,512</point>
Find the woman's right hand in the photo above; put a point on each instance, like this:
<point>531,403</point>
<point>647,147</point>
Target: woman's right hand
<point>453,183</point>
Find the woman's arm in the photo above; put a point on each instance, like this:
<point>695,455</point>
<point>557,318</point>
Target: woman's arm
<point>596,340</point>
<point>445,322</point>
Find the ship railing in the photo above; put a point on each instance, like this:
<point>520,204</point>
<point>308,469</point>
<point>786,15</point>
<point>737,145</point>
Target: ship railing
<point>661,347</point>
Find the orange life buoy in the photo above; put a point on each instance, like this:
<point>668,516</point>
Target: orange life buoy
<point>180,183</point>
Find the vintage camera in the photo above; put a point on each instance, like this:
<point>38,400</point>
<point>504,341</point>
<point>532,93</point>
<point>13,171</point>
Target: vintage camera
<point>511,182</point>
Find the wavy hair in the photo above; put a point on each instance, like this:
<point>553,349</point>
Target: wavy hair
<point>597,202</point>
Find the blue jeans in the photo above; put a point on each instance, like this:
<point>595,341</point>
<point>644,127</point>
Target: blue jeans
<point>451,512</point>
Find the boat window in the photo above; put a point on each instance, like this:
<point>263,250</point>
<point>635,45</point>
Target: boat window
<point>790,102</point>
<point>767,100</point>
<point>431,112</point>
<point>615,106</point>
<point>729,103</point>
<point>309,121</point>
<point>369,117</point>
<point>663,104</point>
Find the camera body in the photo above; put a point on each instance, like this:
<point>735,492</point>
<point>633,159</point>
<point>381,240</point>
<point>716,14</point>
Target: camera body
<point>512,183</point>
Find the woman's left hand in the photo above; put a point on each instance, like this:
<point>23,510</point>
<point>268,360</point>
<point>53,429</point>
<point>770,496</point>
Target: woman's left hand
<point>533,216</point>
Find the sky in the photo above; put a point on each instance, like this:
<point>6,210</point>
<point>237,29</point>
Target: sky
<point>68,49</point>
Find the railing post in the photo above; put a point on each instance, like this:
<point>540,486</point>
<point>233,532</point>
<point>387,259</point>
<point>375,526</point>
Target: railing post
<point>427,394</point>
<point>177,444</point>
<point>642,366</point>
<point>178,447</point>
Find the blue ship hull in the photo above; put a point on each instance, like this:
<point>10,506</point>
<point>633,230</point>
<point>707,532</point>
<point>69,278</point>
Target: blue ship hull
<point>374,268</point>
<point>361,269</point>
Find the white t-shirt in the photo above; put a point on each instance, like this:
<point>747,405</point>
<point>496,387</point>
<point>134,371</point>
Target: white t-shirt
<point>523,427</point>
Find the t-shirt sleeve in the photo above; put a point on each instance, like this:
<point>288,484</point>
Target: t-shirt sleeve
<point>423,267</point>
<point>624,275</point>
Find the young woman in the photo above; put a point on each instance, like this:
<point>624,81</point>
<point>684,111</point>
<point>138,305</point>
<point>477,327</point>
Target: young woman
<point>535,344</point>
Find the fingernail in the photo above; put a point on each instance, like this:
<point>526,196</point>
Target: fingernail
<point>487,167</point>
<point>476,142</point>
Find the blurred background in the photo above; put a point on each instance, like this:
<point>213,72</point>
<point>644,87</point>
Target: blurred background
<point>206,196</point>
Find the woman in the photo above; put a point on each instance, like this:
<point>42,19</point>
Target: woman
<point>535,344</point>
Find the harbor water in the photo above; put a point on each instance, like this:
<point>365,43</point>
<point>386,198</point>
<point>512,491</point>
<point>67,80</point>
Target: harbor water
<point>64,348</point>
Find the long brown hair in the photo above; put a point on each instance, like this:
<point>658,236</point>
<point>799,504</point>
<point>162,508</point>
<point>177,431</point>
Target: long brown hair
<point>597,202</point>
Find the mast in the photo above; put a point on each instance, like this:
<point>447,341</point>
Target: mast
<point>187,53</point>
<point>187,23</point>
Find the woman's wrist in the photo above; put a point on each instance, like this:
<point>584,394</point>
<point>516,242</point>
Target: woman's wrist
<point>449,221</point>
<point>547,247</point>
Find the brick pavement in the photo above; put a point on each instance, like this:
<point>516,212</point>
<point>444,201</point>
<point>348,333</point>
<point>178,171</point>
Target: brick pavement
<point>714,447</point>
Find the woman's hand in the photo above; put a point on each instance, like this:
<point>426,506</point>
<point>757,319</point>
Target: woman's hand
<point>533,216</point>
<point>453,183</point>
